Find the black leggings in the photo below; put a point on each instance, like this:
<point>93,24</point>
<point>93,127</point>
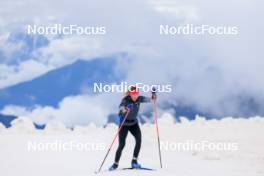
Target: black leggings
<point>135,131</point>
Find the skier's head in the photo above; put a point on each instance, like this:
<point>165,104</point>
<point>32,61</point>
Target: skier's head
<point>133,92</point>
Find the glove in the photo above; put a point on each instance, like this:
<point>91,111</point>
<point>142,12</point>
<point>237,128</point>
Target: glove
<point>153,93</point>
<point>129,107</point>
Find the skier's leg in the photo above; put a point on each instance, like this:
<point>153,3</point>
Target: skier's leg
<point>136,132</point>
<point>122,141</point>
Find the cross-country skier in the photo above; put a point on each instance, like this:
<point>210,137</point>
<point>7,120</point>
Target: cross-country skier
<point>130,104</point>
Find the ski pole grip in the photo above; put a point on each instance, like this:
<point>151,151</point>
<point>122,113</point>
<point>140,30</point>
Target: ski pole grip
<point>153,93</point>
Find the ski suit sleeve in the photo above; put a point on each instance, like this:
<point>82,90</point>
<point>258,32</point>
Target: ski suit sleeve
<point>144,99</point>
<point>123,104</point>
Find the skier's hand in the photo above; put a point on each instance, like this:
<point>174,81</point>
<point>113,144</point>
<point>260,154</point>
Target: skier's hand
<point>124,110</point>
<point>153,93</point>
<point>129,107</point>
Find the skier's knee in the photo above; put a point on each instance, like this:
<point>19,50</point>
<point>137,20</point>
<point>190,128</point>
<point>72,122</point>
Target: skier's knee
<point>138,140</point>
<point>122,145</point>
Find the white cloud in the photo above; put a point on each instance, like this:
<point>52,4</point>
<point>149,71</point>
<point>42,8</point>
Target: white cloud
<point>73,110</point>
<point>15,110</point>
<point>11,75</point>
<point>59,52</point>
<point>187,12</point>
<point>66,50</point>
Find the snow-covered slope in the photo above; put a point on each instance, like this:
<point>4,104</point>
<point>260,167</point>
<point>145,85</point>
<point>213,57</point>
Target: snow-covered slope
<point>245,157</point>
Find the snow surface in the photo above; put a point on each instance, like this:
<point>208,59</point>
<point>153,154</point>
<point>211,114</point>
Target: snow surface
<point>247,160</point>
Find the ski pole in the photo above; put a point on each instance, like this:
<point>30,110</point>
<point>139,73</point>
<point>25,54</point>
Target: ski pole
<point>157,129</point>
<point>120,127</point>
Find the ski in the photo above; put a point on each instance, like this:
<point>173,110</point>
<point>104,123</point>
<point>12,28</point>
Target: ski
<point>141,168</point>
<point>126,168</point>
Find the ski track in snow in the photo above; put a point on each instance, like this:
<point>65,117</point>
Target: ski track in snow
<point>248,160</point>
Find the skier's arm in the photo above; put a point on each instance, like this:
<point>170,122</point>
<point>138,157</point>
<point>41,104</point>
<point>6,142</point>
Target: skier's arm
<point>144,99</point>
<point>123,105</point>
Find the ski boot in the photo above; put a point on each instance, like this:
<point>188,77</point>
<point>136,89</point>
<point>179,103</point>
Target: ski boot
<point>135,165</point>
<point>113,167</point>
